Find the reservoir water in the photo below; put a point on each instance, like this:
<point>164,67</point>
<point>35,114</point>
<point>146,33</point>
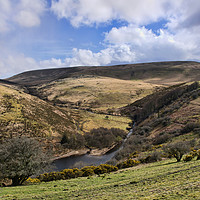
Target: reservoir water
<point>87,159</point>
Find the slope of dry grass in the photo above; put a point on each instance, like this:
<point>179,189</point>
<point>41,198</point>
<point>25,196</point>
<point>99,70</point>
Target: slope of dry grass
<point>99,93</point>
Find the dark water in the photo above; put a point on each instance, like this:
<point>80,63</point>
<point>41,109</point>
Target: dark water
<point>87,159</point>
<point>80,161</point>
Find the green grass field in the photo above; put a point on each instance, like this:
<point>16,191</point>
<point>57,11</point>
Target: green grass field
<point>161,180</point>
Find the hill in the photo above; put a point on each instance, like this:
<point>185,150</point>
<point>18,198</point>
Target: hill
<point>167,73</point>
<point>105,89</point>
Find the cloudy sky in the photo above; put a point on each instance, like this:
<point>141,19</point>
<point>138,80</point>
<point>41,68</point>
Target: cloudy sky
<point>63,33</point>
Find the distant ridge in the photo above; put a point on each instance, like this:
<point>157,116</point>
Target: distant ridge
<point>183,70</point>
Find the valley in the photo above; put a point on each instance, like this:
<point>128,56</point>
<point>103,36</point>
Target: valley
<point>65,105</point>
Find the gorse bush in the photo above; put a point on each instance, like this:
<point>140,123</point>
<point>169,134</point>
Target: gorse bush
<point>192,155</point>
<point>128,163</point>
<point>188,158</point>
<point>88,170</point>
<point>74,173</point>
<point>33,180</point>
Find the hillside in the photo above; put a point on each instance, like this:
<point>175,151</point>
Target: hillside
<point>161,180</point>
<point>167,116</point>
<point>22,113</point>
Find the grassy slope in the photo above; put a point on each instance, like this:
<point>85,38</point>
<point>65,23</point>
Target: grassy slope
<point>94,92</point>
<point>89,121</point>
<point>161,180</point>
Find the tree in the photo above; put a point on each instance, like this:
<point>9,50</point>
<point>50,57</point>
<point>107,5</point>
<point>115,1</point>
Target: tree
<point>177,150</point>
<point>20,158</point>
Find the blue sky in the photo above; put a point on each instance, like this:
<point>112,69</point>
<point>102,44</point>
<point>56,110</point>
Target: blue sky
<point>43,34</point>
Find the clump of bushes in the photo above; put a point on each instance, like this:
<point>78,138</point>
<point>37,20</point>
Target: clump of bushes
<point>73,141</point>
<point>74,173</point>
<point>88,170</point>
<point>164,121</point>
<point>105,168</point>
<point>143,131</point>
<point>103,137</point>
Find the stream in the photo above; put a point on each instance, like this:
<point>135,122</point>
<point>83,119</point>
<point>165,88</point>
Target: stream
<point>87,159</point>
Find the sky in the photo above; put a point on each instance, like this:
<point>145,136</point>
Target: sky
<point>44,34</point>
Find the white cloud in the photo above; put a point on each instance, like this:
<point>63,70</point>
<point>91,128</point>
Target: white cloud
<point>185,15</point>
<point>27,19</point>
<point>5,9</point>
<point>112,54</point>
<point>16,63</point>
<point>29,12</point>
<point>25,13</point>
<point>51,63</point>
<point>162,46</point>
<point>89,12</point>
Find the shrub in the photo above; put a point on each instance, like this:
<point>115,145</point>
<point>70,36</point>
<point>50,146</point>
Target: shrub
<point>188,158</point>
<point>196,153</point>
<point>151,157</point>
<point>68,173</point>
<point>190,127</point>
<point>105,168</point>
<point>197,131</point>
<point>162,120</point>
<point>51,176</point>
<point>20,158</point>
<point>128,163</point>
<point>177,150</point>
<point>33,180</point>
<point>77,172</point>
<point>133,155</point>
<point>160,139</point>
<point>88,170</point>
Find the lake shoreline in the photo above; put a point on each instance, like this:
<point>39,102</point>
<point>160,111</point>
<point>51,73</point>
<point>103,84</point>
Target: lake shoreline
<point>92,152</point>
